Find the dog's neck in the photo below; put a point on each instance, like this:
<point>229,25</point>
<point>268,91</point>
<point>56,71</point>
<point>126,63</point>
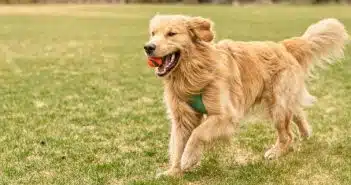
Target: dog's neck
<point>195,72</point>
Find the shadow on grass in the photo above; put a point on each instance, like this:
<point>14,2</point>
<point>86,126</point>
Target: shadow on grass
<point>261,171</point>
<point>251,173</point>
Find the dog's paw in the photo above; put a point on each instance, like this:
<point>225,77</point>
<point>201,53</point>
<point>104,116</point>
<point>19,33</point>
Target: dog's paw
<point>190,159</point>
<point>308,133</point>
<point>188,163</point>
<point>273,153</point>
<point>172,172</point>
<point>277,150</point>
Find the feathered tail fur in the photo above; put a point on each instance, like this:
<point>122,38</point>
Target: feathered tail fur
<point>323,42</point>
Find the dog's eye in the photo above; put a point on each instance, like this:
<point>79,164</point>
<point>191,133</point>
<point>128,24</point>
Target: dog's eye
<point>170,34</point>
<point>152,33</point>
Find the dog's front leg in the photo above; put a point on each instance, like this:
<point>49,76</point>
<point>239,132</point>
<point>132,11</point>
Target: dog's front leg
<point>183,123</point>
<point>215,127</point>
<point>179,137</point>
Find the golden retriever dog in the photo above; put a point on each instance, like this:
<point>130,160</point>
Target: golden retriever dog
<point>230,78</point>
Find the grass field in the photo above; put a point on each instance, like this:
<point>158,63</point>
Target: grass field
<point>80,106</point>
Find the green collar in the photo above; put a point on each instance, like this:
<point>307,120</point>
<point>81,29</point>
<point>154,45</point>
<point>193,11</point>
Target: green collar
<point>197,104</point>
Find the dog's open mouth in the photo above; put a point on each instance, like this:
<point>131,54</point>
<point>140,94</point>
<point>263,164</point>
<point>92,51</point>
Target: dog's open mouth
<point>168,63</point>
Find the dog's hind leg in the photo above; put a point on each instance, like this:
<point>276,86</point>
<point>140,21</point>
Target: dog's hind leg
<point>215,127</point>
<point>305,100</point>
<point>282,100</point>
<point>282,124</point>
<point>302,123</point>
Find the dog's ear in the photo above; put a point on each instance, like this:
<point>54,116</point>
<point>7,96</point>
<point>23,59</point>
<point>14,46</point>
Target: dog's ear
<point>201,28</point>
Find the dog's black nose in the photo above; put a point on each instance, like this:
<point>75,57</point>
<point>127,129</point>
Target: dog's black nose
<point>149,48</point>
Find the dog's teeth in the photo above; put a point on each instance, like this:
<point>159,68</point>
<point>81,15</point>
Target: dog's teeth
<point>172,58</point>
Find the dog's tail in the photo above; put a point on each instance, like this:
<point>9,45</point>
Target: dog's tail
<point>322,43</point>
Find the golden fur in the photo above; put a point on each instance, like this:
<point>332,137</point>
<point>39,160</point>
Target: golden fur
<point>235,76</point>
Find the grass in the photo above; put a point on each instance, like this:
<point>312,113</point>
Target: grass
<point>80,106</point>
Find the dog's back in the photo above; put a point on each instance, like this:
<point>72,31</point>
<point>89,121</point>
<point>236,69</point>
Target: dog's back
<point>260,63</point>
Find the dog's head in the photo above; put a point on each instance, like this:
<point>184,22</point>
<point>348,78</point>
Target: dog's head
<point>173,36</point>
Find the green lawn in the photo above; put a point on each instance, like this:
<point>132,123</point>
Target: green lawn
<point>80,106</point>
